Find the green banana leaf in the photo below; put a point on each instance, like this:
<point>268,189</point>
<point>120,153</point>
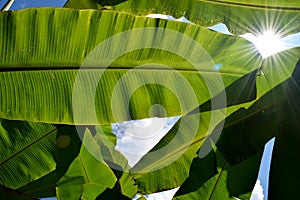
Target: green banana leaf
<point>38,75</point>
<point>41,56</point>
<point>88,175</point>
<point>142,198</point>
<point>240,16</point>
<point>83,4</point>
<point>7,193</point>
<point>27,151</point>
<point>258,116</point>
<point>284,176</point>
<point>67,149</point>
<point>167,165</point>
<point>246,130</point>
<point>126,186</point>
<point>37,71</point>
<point>222,181</point>
<point>43,187</point>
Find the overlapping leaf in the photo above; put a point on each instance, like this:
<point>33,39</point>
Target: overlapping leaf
<point>42,50</point>
<point>51,44</point>
<point>213,178</point>
<point>126,186</point>
<point>235,143</point>
<point>27,152</point>
<point>43,187</point>
<point>247,130</point>
<point>284,176</point>
<point>167,165</point>
<point>87,175</point>
<point>68,145</point>
<point>7,193</point>
<point>241,16</point>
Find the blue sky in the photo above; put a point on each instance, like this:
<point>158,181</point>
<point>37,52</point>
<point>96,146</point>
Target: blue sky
<point>19,4</point>
<point>289,42</point>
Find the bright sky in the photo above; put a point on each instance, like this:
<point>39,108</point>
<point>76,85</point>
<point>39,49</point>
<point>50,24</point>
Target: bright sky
<point>267,44</point>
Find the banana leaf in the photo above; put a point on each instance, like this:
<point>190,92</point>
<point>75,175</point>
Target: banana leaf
<point>88,175</point>
<point>125,187</point>
<point>48,71</point>
<point>38,74</point>
<point>235,143</point>
<point>7,193</point>
<point>284,176</point>
<point>240,16</point>
<point>167,165</point>
<point>43,187</point>
<point>27,151</point>
<point>223,180</point>
<point>246,130</point>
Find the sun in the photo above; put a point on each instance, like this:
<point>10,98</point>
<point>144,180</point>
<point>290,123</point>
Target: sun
<point>267,43</point>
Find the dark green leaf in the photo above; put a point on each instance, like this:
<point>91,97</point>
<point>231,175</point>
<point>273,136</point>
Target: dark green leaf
<point>42,187</point>
<point>27,151</point>
<point>7,193</point>
<point>88,175</point>
<point>225,183</point>
<point>125,187</point>
<point>284,172</point>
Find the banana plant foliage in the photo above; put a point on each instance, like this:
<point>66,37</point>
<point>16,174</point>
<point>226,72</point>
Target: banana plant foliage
<point>68,73</point>
<point>240,16</point>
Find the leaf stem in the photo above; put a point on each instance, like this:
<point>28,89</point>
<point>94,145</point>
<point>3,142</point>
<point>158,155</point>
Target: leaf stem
<point>7,5</point>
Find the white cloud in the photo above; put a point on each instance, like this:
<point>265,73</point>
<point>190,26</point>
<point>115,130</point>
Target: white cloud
<point>138,137</point>
<point>258,192</point>
<point>165,195</point>
<point>169,17</point>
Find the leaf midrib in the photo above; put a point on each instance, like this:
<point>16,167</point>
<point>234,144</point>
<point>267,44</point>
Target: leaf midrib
<point>217,181</point>
<point>27,146</point>
<point>251,5</point>
<point>63,68</point>
<point>153,164</point>
<point>197,141</point>
<point>84,169</point>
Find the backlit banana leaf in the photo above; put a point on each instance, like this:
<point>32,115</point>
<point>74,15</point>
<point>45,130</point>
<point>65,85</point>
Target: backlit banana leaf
<point>167,165</point>
<point>27,151</point>
<point>247,130</point>
<point>258,116</point>
<point>42,50</point>
<point>284,170</point>
<point>218,179</point>
<point>125,187</point>
<point>241,16</point>
<point>83,4</point>
<point>87,175</point>
<point>68,145</point>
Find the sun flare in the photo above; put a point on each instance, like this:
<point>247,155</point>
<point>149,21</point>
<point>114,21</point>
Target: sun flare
<point>267,43</point>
